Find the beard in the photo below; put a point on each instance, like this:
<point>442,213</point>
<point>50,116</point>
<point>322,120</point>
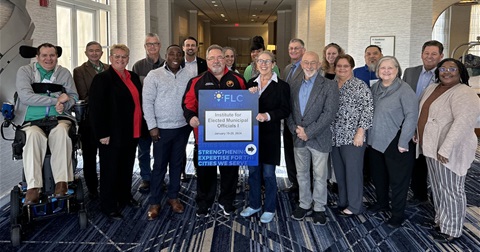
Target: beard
<point>371,67</point>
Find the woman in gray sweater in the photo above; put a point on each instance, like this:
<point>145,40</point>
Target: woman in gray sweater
<point>392,152</point>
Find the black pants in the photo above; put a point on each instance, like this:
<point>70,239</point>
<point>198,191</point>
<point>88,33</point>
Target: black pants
<point>116,168</point>
<point>207,185</point>
<point>289,156</point>
<point>393,170</point>
<point>89,155</point>
<point>419,179</point>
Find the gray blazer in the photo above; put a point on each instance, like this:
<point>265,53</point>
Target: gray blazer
<point>296,77</point>
<point>411,76</point>
<point>319,113</point>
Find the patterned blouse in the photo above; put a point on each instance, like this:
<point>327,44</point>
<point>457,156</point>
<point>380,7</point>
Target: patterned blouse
<point>355,111</point>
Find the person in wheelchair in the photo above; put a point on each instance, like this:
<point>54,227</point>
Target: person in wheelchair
<point>45,91</point>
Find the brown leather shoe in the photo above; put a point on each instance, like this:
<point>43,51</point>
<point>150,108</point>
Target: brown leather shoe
<point>32,196</point>
<point>177,207</point>
<point>61,189</point>
<point>153,211</point>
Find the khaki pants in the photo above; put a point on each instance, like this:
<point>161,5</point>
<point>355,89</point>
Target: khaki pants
<point>36,147</point>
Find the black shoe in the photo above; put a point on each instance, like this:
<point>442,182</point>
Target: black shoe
<point>443,238</point>
<point>202,212</point>
<point>115,215</point>
<point>228,209</point>
<point>144,186</point>
<point>377,208</point>
<point>319,218</point>
<point>430,224</point>
<point>300,213</point>
<point>133,203</point>
<point>416,202</point>
<point>291,189</point>
<point>394,223</point>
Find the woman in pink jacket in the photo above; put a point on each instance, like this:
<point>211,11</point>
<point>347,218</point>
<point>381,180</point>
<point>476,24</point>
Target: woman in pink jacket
<point>448,113</point>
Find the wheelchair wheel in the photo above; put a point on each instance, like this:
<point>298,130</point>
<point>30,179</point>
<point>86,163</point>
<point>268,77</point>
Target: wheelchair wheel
<point>15,236</point>
<point>15,206</point>
<point>82,219</point>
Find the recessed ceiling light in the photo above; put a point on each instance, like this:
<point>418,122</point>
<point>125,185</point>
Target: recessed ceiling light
<point>252,20</point>
<point>213,2</point>
<point>226,20</point>
<point>222,15</point>
<point>215,5</point>
<point>254,15</point>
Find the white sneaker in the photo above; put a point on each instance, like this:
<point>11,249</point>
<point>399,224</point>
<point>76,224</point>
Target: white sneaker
<point>267,217</point>
<point>247,212</point>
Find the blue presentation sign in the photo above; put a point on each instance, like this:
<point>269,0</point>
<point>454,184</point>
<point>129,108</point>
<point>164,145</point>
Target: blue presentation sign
<point>228,130</point>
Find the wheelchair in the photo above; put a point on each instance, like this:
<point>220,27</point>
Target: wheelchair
<point>49,206</point>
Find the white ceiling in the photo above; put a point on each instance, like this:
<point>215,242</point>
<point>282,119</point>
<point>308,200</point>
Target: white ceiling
<point>236,11</point>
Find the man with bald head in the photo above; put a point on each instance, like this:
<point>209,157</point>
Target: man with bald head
<point>315,102</point>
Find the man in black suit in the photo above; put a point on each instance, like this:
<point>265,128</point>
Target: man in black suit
<point>419,78</point>
<point>196,66</point>
<point>293,73</point>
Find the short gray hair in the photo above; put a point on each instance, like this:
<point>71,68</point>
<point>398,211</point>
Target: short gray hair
<point>395,63</point>
<point>215,47</point>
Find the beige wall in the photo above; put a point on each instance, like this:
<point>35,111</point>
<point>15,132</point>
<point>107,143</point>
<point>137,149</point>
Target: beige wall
<point>459,29</point>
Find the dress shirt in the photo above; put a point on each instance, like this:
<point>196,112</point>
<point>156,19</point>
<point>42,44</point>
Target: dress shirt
<point>305,91</point>
<point>425,78</point>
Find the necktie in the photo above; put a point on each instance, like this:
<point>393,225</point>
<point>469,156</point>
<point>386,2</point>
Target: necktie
<point>292,70</point>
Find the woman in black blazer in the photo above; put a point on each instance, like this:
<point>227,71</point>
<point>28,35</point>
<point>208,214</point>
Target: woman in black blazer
<point>116,116</point>
<point>274,105</point>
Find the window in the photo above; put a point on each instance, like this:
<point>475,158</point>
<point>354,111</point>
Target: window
<point>441,30</point>
<point>79,22</point>
<point>474,28</point>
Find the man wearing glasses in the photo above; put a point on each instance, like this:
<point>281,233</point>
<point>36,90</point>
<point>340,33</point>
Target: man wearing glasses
<point>217,77</point>
<point>315,102</point>
<point>292,73</point>
<point>142,68</point>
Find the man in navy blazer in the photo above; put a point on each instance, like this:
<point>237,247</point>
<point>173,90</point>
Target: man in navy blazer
<point>315,102</point>
<point>419,78</point>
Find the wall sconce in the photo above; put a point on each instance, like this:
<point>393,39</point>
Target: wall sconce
<point>271,48</point>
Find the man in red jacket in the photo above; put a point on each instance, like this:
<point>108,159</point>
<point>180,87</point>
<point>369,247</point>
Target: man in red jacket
<point>216,77</point>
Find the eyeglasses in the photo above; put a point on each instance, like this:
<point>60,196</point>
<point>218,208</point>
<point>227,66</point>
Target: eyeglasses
<point>152,44</point>
<point>310,63</point>
<point>261,61</point>
<point>218,58</point>
<point>342,66</point>
<point>449,69</point>
<point>295,48</point>
<point>116,56</point>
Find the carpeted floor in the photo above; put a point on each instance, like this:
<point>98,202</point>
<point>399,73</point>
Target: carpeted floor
<point>186,232</point>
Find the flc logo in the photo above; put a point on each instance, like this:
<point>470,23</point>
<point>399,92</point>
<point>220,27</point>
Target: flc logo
<point>220,96</point>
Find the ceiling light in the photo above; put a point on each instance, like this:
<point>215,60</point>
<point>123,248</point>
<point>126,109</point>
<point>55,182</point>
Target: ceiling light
<point>213,2</point>
<point>254,15</point>
<point>222,15</point>
<point>226,20</point>
<point>252,20</point>
<point>215,5</point>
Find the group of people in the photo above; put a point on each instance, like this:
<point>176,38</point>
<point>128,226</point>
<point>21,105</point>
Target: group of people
<point>335,116</point>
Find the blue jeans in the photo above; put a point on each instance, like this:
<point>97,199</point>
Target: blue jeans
<point>168,151</point>
<point>144,144</point>
<point>255,182</point>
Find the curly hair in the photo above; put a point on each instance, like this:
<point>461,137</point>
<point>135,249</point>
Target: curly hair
<point>462,70</point>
